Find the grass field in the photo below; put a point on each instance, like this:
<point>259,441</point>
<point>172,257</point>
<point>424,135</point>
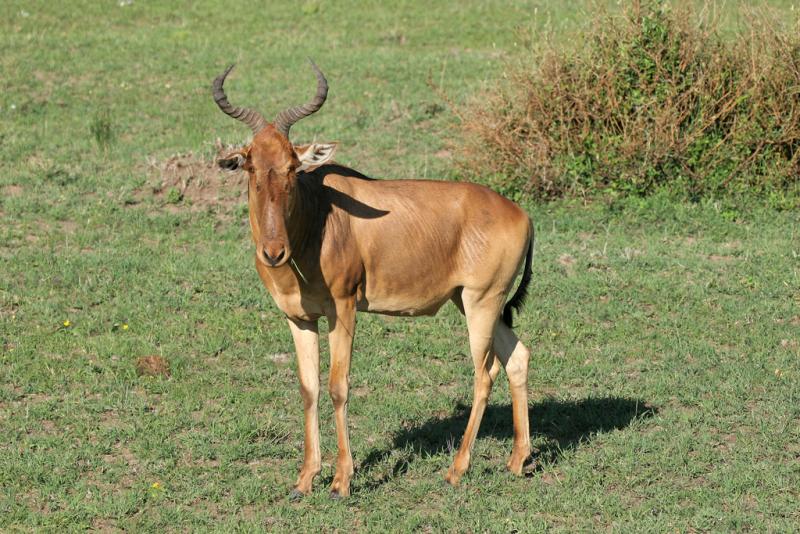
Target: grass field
<point>665,377</point>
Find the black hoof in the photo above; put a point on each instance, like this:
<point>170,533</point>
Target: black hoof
<point>335,495</point>
<point>296,495</point>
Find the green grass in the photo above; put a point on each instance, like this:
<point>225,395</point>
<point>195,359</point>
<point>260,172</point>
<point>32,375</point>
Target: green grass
<point>665,373</point>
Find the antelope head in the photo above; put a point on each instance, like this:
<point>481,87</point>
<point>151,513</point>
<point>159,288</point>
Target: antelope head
<point>273,163</point>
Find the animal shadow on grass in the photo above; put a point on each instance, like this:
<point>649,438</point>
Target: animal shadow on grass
<point>565,424</point>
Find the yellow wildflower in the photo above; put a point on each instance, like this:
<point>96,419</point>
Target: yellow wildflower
<point>67,323</point>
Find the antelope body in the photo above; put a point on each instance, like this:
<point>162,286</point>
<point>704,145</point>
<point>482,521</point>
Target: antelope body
<point>330,242</point>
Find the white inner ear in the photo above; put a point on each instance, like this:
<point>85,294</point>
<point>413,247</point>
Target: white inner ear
<point>315,155</point>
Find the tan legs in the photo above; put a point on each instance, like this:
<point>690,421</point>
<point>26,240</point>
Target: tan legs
<point>481,316</point>
<point>492,343</point>
<point>306,341</point>
<point>341,345</point>
<point>514,357</point>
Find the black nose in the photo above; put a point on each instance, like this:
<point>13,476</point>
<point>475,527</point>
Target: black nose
<point>273,261</point>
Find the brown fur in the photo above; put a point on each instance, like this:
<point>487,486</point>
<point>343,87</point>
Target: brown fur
<point>330,242</point>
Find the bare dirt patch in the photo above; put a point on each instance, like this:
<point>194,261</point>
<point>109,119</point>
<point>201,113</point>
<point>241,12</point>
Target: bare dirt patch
<point>721,258</point>
<point>193,182</point>
<point>281,358</point>
<point>361,391</point>
<point>12,190</point>
<point>48,427</point>
<point>152,366</point>
<point>104,524</point>
<point>567,262</point>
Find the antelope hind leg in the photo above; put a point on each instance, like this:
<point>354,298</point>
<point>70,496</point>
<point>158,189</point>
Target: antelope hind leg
<point>481,316</point>
<point>514,356</point>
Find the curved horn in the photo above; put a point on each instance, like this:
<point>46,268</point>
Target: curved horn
<point>288,117</point>
<point>250,117</point>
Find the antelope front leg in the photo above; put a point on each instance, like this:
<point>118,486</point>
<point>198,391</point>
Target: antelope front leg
<point>342,329</point>
<point>306,341</point>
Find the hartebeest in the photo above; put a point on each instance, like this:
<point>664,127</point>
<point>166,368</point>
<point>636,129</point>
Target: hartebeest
<point>330,242</point>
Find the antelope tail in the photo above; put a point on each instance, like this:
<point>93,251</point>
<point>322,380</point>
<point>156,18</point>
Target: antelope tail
<point>518,299</point>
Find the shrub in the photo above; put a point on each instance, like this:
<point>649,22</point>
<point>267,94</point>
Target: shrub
<point>650,98</point>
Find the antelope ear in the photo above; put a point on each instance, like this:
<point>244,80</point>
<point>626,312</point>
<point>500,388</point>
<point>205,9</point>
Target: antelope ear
<point>232,161</point>
<point>314,155</point>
